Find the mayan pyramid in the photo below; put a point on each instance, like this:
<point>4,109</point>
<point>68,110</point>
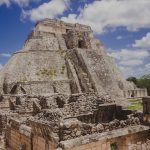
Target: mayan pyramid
<point>59,57</point>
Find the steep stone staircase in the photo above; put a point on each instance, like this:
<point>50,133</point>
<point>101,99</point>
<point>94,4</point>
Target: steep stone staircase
<point>87,82</point>
<point>61,41</point>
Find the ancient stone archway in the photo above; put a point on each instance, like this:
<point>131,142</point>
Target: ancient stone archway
<point>17,89</point>
<point>13,90</point>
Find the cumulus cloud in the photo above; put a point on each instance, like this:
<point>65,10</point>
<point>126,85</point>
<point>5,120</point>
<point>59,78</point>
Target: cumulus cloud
<point>133,62</point>
<point>52,9</point>
<point>127,71</point>
<point>121,13</point>
<point>5,55</point>
<point>144,42</point>
<point>6,2</point>
<point>21,3</point>
<point>147,66</point>
<point>132,71</point>
<point>126,54</point>
<point>119,37</point>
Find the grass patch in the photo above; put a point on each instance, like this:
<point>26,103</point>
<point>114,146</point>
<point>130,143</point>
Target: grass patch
<point>135,106</point>
<point>133,100</point>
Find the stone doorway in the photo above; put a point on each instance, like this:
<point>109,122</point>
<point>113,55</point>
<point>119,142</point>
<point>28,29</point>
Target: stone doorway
<point>81,44</point>
<point>114,146</point>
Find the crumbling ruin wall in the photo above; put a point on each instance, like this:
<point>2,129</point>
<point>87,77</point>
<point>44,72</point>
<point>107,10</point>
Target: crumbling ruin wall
<point>45,131</point>
<point>39,143</point>
<point>146,110</point>
<point>51,124</point>
<point>135,93</point>
<point>115,140</point>
<point>18,136</point>
<point>44,136</point>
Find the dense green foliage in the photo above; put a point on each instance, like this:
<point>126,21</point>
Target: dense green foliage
<point>133,79</point>
<point>143,82</point>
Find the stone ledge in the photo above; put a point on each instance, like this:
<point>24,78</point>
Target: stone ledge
<point>48,81</point>
<point>103,136</point>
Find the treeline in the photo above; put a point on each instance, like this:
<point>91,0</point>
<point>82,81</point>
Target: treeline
<point>143,82</point>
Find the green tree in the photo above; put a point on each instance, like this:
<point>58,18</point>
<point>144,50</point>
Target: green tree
<point>132,79</point>
<point>144,83</point>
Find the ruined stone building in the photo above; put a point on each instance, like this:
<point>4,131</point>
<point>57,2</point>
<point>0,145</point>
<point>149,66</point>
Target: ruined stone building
<point>62,91</point>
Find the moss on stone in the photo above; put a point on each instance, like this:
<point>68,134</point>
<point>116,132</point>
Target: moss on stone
<point>63,69</point>
<point>47,73</point>
<point>24,79</point>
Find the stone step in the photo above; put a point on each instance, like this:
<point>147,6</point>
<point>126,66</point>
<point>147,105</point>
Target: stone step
<point>62,42</point>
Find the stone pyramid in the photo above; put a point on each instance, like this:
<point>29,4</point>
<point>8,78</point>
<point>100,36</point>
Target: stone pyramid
<point>59,57</point>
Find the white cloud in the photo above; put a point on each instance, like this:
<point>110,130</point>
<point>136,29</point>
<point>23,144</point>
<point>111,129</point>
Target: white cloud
<point>21,3</point>
<point>52,9</point>
<point>144,42</point>
<point>5,55</point>
<point>133,62</point>
<point>133,71</point>
<point>119,37</point>
<point>147,66</point>
<point>6,2</point>
<point>126,54</point>
<point>127,71</point>
<point>103,14</point>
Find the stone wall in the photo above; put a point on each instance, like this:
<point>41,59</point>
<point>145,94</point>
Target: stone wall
<point>146,109</point>
<point>71,134</point>
<point>40,143</point>
<point>135,93</point>
<point>18,136</point>
<point>134,141</point>
<point>56,26</point>
<point>43,43</point>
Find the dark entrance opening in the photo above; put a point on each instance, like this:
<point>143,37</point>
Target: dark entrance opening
<point>13,90</point>
<point>81,44</point>
<point>60,102</point>
<point>132,95</point>
<point>113,146</point>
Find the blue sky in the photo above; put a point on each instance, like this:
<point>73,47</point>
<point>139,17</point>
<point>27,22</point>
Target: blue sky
<point>122,26</point>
